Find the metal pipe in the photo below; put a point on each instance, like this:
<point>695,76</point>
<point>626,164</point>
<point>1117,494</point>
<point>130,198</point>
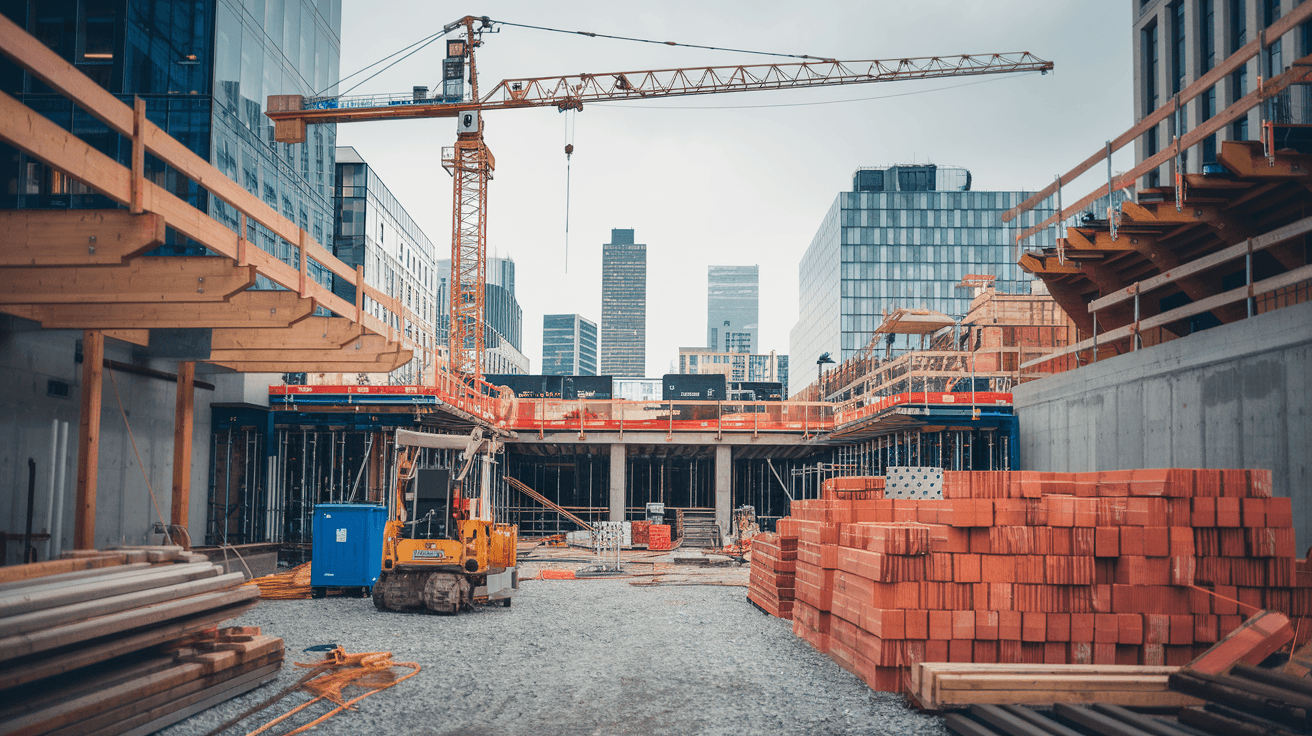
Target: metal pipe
<point>56,536</point>
<point>50,490</point>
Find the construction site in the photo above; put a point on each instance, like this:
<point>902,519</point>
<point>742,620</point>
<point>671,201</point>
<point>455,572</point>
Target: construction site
<point>1034,463</point>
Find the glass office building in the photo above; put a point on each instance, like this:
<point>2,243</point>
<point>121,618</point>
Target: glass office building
<point>205,69</point>
<point>732,308</point>
<point>905,236</point>
<point>372,229</point>
<point>503,319</point>
<point>569,345</point>
<point>623,306</point>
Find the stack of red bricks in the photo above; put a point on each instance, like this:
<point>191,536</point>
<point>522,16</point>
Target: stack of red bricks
<point>771,585</point>
<point>853,488</point>
<point>658,537</point>
<point>1136,567</point>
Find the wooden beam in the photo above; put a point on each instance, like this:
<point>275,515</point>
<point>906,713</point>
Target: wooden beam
<point>76,237</point>
<point>314,333</point>
<point>1245,159</point>
<point>136,337</point>
<point>88,440</point>
<point>182,419</point>
<point>366,353</point>
<point>386,364</point>
<point>1081,239</point>
<point>249,309</point>
<point>160,279</point>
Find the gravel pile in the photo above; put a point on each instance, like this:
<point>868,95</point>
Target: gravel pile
<point>580,657</point>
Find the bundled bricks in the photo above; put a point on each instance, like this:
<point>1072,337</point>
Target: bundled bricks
<point>1145,567</point>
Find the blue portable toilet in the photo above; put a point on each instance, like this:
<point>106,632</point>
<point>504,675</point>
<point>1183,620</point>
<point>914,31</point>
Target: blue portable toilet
<point>348,547</point>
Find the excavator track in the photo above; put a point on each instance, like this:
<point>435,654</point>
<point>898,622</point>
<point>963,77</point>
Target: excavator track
<point>419,590</point>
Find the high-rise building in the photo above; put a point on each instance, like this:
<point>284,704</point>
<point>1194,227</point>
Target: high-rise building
<point>205,71</point>
<point>733,365</point>
<point>905,236</point>
<point>373,230</point>
<point>503,319</point>
<point>732,308</point>
<point>623,306</point>
<point>1177,42</point>
<point>569,345</point>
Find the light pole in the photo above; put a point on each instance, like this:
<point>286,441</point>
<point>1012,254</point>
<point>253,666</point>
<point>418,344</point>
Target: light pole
<point>820,366</point>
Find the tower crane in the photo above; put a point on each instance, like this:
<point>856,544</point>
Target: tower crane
<point>471,163</point>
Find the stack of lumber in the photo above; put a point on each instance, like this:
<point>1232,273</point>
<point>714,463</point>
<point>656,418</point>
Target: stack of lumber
<point>110,618</point>
<point>945,685</point>
<point>772,581</point>
<point>146,691</point>
<point>1145,567</point>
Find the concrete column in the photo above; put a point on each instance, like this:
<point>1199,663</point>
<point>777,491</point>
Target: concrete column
<point>618,461</point>
<point>723,488</point>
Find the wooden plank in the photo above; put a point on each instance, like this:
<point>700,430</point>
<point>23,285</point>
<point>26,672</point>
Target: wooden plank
<point>312,333</point>
<point>75,577</point>
<point>53,663</point>
<point>20,574</point>
<point>71,633</point>
<point>46,624</point>
<point>205,700</point>
<point>183,417</point>
<point>1261,242</point>
<point>38,598</point>
<point>76,237</point>
<point>248,309</point>
<point>38,696</point>
<point>88,439</point>
<point>155,279</point>
<point>953,681</point>
<point>1151,698</point>
<point>386,365</point>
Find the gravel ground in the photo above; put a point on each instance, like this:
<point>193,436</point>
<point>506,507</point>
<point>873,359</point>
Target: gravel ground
<point>580,657</point>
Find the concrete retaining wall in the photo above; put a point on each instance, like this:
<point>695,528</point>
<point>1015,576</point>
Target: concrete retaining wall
<point>1236,396</point>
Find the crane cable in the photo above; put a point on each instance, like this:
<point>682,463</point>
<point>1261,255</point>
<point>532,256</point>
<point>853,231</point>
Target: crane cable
<point>569,152</point>
<point>661,43</point>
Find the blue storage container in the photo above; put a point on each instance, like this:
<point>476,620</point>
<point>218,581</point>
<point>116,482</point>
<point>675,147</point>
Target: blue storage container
<point>348,546</point>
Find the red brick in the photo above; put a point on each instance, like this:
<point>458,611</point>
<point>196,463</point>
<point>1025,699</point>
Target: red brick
<point>1156,629</point>
<point>1228,512</point>
<point>960,650</point>
<point>1182,541</point>
<point>936,650</point>
<point>1034,627</point>
<point>997,569</point>
<point>1131,542</point>
<point>986,625</point>
<point>917,624</point>
<point>1054,652</point>
<point>963,624</point>
<point>1106,541</point>
<point>1279,512</point>
<point>1106,628</point>
<point>966,568</point>
<point>1082,627</point>
<point>986,652</point>
<point>1009,625</point>
<point>1130,628</point>
<point>1086,512</point>
<point>1253,512</point>
<point>1059,627</point>
<point>1157,541</point>
<point>940,625</point>
<point>1204,512</point>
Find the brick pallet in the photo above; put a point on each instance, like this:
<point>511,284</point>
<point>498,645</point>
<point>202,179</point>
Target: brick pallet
<point>1042,568</point>
<point>772,582</point>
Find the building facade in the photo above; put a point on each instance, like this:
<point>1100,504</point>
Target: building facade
<point>1178,41</point>
<point>569,345</point>
<point>623,306</point>
<point>733,308</point>
<point>905,236</point>
<point>503,319</point>
<point>372,229</point>
<point>734,365</point>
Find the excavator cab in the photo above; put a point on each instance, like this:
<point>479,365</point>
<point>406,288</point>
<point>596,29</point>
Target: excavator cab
<point>430,507</point>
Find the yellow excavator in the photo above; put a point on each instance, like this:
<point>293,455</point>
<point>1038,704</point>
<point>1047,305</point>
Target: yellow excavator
<point>442,552</point>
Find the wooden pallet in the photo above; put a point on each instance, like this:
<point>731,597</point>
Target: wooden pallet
<point>945,685</point>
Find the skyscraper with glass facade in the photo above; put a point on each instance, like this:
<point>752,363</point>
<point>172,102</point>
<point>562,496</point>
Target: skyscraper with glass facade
<point>373,230</point>
<point>569,345</point>
<point>205,69</point>
<point>732,308</point>
<point>503,318</point>
<point>903,237</point>
<point>623,306</point>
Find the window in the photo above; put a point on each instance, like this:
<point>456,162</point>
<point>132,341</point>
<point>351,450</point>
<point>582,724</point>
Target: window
<point>1179,64</point>
<point>1208,103</point>
<point>1238,37</point>
<point>1207,37</point>
<point>1153,178</point>
<point>1150,67</point>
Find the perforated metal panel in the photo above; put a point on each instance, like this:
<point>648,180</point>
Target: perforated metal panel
<point>913,482</point>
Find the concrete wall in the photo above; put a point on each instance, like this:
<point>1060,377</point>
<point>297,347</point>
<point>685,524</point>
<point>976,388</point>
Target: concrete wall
<point>29,358</point>
<point>1236,396</point>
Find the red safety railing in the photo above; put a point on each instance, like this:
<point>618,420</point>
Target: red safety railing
<point>921,398</point>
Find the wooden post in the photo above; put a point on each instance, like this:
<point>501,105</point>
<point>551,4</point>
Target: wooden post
<point>88,439</point>
<point>305,281</point>
<point>182,420</point>
<point>138,190</point>
<point>359,294</point>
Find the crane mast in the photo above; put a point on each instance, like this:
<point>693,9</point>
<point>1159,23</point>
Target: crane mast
<point>471,163</point>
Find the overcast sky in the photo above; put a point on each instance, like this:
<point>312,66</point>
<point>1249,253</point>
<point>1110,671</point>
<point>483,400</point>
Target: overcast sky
<point>741,178</point>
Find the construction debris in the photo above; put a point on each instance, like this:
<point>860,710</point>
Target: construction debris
<point>124,642</point>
